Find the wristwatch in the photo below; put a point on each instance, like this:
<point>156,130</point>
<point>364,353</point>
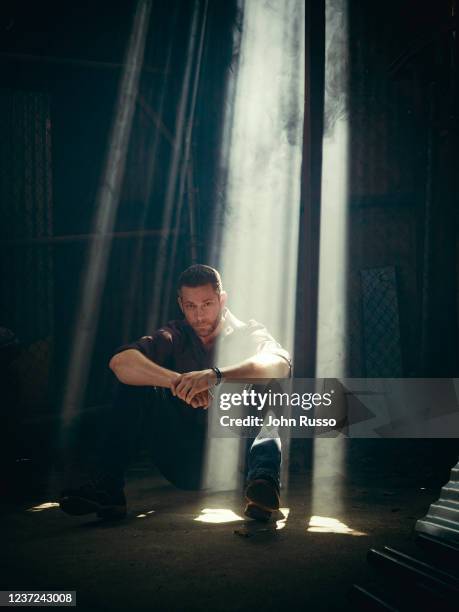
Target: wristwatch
<point>218,374</point>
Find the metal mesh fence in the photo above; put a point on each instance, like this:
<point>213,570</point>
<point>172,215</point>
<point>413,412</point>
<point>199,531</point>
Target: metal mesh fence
<point>381,324</point>
<point>26,273</point>
<point>26,211</point>
<point>383,316</point>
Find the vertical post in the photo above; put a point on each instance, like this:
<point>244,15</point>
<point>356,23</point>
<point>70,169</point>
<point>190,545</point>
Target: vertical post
<point>192,213</point>
<point>308,254</point>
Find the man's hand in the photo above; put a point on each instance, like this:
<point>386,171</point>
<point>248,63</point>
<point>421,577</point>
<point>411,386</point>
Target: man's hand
<point>202,400</point>
<point>187,386</point>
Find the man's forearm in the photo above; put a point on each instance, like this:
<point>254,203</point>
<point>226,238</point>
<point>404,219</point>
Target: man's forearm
<point>131,367</point>
<point>263,365</point>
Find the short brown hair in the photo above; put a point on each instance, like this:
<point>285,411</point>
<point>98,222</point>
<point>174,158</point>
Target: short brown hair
<point>198,275</point>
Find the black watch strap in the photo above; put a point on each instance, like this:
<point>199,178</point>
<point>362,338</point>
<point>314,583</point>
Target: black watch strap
<point>219,375</point>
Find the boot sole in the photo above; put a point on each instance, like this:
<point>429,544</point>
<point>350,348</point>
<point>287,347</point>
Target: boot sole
<point>255,512</point>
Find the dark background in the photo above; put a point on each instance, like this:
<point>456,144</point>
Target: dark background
<point>60,67</point>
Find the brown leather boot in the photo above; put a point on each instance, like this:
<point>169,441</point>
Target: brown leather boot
<point>263,499</point>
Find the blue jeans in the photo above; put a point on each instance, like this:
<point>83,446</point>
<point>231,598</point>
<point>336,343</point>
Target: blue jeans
<point>177,435</point>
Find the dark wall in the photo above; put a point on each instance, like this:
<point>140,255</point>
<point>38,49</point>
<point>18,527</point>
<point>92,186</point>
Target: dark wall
<point>403,113</point>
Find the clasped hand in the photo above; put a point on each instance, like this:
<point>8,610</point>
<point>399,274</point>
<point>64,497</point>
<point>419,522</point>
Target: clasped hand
<point>194,387</point>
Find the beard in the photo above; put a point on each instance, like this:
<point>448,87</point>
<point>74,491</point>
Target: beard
<point>208,328</point>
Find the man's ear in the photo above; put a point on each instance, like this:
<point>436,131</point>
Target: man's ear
<point>223,298</point>
<point>179,300</point>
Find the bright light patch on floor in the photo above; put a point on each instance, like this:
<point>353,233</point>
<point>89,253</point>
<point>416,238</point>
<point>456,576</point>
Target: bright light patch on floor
<point>326,524</point>
<point>145,515</point>
<point>280,524</point>
<point>45,506</point>
<point>218,515</point>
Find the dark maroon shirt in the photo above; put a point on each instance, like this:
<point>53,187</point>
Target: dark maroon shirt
<point>177,347</point>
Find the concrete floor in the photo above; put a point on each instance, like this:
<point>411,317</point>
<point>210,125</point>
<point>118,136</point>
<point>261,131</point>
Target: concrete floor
<point>168,560</point>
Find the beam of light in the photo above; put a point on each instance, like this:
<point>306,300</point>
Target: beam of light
<point>331,324</point>
<point>106,208</point>
<point>178,165</point>
<point>258,257</point>
<point>326,524</point>
<point>328,454</point>
<point>256,227</point>
<point>44,506</point>
<point>327,474</point>
<point>155,116</point>
<point>218,515</point>
<point>280,524</point>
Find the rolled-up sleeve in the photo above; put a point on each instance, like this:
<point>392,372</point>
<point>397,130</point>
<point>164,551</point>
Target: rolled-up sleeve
<point>262,342</point>
<point>157,347</point>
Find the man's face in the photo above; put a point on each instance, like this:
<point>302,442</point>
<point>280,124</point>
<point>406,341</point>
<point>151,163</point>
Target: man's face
<point>202,307</point>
